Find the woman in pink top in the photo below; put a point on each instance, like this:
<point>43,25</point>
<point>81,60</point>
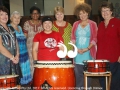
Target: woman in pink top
<point>84,35</point>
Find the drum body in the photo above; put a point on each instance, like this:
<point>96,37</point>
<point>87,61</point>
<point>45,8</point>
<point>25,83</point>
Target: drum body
<point>8,81</point>
<point>57,75</point>
<point>96,66</point>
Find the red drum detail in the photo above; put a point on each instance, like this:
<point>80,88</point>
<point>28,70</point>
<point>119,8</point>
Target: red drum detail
<point>59,78</point>
<point>8,81</point>
<point>97,65</point>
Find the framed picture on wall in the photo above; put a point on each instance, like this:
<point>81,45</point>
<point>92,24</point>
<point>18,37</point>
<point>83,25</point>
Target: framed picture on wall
<point>46,6</point>
<point>49,6</point>
<point>116,4</point>
<point>27,6</point>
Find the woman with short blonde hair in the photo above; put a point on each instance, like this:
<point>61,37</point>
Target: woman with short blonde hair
<point>58,9</point>
<point>62,26</point>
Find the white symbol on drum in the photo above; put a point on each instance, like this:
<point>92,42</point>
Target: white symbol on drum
<point>96,65</point>
<point>5,81</point>
<point>70,53</point>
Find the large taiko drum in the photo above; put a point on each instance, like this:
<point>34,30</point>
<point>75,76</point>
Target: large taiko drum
<point>54,75</point>
<point>8,82</point>
<point>96,66</point>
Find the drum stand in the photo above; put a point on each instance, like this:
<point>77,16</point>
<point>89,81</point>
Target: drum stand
<point>107,76</point>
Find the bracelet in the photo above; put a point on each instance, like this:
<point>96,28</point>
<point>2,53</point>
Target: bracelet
<point>88,48</point>
<point>12,58</point>
<point>35,61</point>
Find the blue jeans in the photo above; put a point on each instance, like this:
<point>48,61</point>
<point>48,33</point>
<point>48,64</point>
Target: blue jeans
<point>80,77</point>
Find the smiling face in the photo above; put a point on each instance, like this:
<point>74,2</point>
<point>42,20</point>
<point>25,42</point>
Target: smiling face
<point>106,13</point>
<point>35,15</point>
<point>83,15</point>
<point>59,16</point>
<point>15,19</point>
<point>3,17</point>
<point>47,25</point>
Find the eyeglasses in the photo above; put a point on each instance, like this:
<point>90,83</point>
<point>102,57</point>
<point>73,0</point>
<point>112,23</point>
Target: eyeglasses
<point>35,13</point>
<point>105,11</point>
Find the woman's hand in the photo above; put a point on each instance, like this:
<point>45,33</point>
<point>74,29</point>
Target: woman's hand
<point>15,59</point>
<point>81,51</point>
<point>119,59</point>
<point>85,50</point>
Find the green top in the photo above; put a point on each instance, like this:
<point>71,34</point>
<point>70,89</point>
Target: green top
<point>65,32</point>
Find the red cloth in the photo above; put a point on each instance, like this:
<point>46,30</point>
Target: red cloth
<point>47,49</point>
<point>108,45</point>
<point>60,28</point>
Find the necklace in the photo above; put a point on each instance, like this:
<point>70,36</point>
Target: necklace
<point>84,24</point>
<point>61,23</point>
<point>35,22</point>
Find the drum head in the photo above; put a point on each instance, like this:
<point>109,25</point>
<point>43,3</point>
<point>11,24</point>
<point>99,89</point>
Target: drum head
<point>95,61</point>
<point>54,64</point>
<point>8,76</point>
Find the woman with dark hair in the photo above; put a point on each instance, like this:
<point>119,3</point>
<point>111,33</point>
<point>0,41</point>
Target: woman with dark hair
<point>45,43</point>
<point>9,51</point>
<point>84,35</point>
<point>30,28</point>
<point>108,45</point>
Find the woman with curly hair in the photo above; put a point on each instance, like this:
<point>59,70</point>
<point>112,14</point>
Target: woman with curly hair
<point>84,36</point>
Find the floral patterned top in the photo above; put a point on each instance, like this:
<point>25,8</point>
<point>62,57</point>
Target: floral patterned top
<point>31,29</point>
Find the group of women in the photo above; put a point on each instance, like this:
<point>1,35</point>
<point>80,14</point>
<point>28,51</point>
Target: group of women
<point>16,46</point>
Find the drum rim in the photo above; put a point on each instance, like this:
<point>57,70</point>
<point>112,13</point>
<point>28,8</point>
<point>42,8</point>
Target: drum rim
<point>53,66</point>
<point>96,60</point>
<point>54,62</point>
<point>8,76</point>
<point>98,72</point>
<point>7,88</point>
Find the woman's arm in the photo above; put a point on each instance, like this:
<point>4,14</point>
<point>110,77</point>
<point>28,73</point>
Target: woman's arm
<point>26,28</point>
<point>17,52</point>
<point>94,30</point>
<point>35,50</point>
<point>26,35</point>
<point>5,52</point>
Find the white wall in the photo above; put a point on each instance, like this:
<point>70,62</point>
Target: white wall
<point>16,5</point>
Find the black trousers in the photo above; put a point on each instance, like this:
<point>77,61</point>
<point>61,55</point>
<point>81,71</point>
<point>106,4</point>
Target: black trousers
<point>115,80</point>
